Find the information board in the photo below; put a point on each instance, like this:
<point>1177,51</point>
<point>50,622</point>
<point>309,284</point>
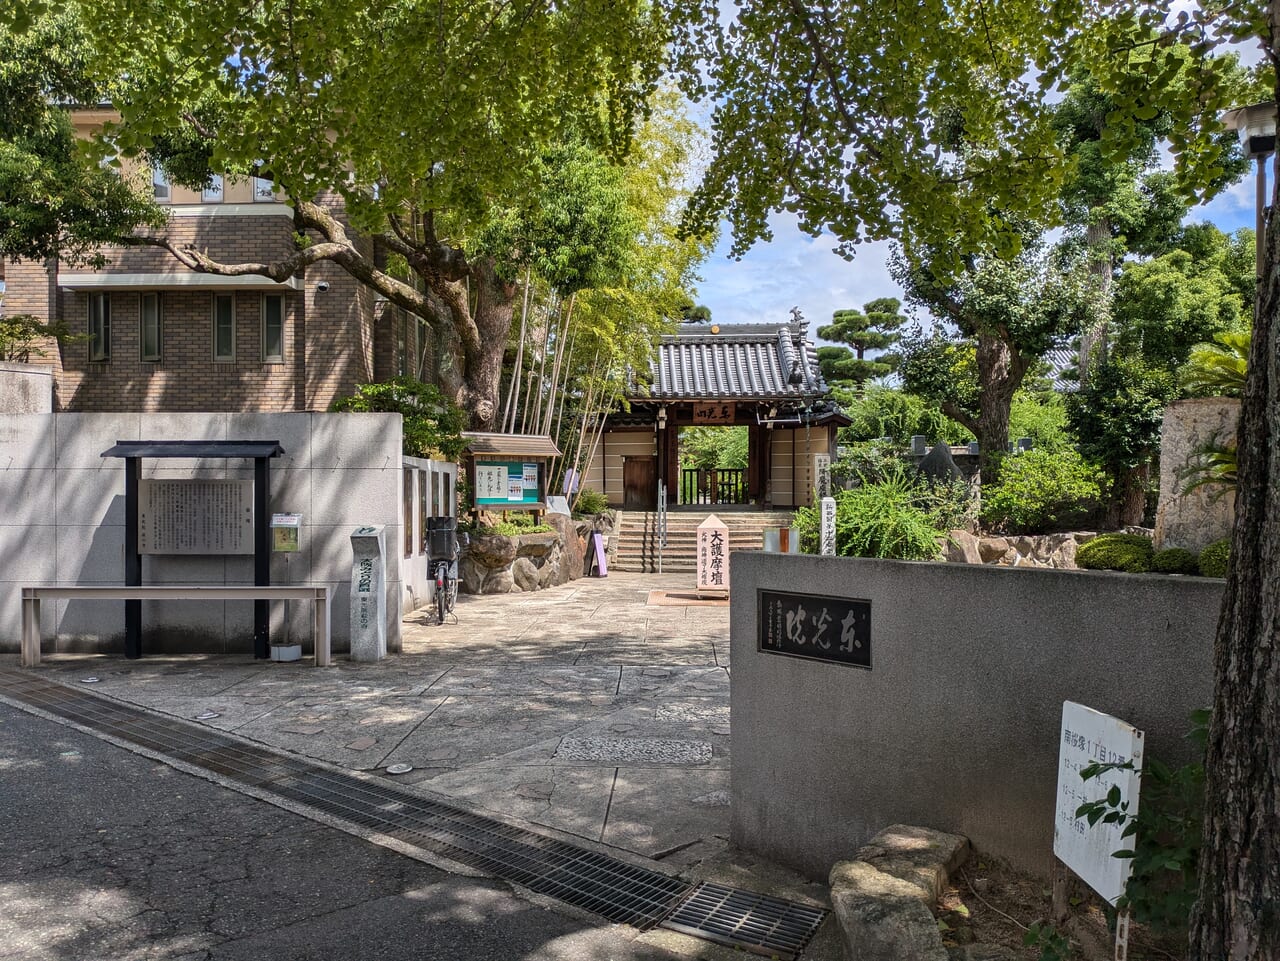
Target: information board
<point>817,628</point>
<point>189,516</point>
<point>1091,737</point>
<point>511,484</point>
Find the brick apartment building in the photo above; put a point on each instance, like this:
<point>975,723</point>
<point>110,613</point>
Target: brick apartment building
<point>165,338</point>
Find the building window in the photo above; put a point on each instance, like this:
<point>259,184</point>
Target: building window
<point>423,514</point>
<point>264,191</point>
<point>99,327</point>
<point>160,184</point>
<point>407,515</point>
<point>149,335</point>
<point>212,193</point>
<point>272,329</point>
<point>224,327</point>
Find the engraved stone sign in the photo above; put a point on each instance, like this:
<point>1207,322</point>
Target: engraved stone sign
<point>1091,737</point>
<point>185,516</point>
<point>368,595</point>
<point>817,628</point>
<point>828,545</point>
<point>822,475</point>
<point>713,556</point>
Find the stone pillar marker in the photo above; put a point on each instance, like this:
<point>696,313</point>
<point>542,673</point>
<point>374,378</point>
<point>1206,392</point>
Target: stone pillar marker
<point>828,542</point>
<point>713,557</point>
<point>368,594</point>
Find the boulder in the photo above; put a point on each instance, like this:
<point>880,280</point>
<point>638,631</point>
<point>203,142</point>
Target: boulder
<point>471,575</point>
<point>961,547</point>
<point>525,574</point>
<point>537,545</point>
<point>498,582</point>
<point>991,549</point>
<point>493,550</point>
<point>573,547</point>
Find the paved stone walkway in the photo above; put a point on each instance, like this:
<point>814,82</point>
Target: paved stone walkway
<point>584,708</point>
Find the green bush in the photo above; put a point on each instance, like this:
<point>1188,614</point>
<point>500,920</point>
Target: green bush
<point>892,519</point>
<point>1213,559</point>
<point>1039,490</point>
<point>1130,553</point>
<point>591,502</point>
<point>1174,560</point>
<point>432,423</point>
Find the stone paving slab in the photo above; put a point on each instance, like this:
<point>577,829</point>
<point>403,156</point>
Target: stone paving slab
<point>656,810</point>
<point>663,681</point>
<point>529,679</point>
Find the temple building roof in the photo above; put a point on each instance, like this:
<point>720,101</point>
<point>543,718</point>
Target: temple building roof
<point>767,362</point>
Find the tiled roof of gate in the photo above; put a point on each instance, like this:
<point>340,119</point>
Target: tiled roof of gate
<point>740,362</point>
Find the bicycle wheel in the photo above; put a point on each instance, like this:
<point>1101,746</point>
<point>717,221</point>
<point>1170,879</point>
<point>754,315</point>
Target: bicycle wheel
<point>440,599</point>
<point>452,591</point>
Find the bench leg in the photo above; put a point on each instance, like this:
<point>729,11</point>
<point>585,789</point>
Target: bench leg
<point>30,632</point>
<point>320,630</point>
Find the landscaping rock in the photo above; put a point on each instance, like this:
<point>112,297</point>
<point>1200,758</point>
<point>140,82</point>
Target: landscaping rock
<point>493,550</point>
<point>498,582</point>
<point>537,545</point>
<point>961,547</point>
<point>921,856</point>
<point>573,547</point>
<point>991,549</point>
<point>525,574</point>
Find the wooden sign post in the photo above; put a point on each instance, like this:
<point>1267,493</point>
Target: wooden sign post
<point>713,557</point>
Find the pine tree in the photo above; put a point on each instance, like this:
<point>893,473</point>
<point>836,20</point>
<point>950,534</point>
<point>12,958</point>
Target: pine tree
<point>871,330</point>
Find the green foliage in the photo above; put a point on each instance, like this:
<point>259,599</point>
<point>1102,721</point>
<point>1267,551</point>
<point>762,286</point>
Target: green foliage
<point>872,330</point>
<point>888,412</point>
<point>513,524</point>
<point>867,462</point>
<point>894,518</point>
<point>1130,553</point>
<point>55,201</point>
<point>23,336</point>
<point>591,502</point>
<point>1053,945</point>
<point>1218,369</point>
<point>432,424</point>
<point>1174,560</point>
<point>1166,835</point>
<point>710,447</point>
<point>1040,490</point>
<point>1042,416</point>
<point>1117,415</point>
<point>1215,558</point>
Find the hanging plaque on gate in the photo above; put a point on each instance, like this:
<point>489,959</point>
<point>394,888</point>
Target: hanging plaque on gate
<point>817,628</point>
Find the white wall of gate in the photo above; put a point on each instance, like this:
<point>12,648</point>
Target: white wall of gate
<point>429,488</point>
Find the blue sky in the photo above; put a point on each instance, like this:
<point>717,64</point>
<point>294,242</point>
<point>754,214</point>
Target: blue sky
<point>799,270</point>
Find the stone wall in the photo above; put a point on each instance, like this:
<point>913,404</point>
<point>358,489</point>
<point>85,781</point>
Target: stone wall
<point>63,523</point>
<point>1057,551</point>
<point>25,389</point>
<point>956,724</point>
<point>1203,516</point>
<point>496,564</point>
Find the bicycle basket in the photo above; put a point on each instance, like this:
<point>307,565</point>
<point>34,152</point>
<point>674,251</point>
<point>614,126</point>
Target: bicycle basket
<point>442,538</point>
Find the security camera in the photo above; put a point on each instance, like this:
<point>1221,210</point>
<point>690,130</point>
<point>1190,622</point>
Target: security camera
<point>322,286</point>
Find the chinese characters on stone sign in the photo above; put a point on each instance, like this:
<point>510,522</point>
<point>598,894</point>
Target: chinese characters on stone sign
<point>713,556</point>
<point>836,629</point>
<point>195,517</point>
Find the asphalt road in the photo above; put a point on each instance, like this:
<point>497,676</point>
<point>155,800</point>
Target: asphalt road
<point>109,856</point>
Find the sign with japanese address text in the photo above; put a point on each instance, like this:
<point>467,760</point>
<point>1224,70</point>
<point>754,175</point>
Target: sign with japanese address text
<point>817,628</point>
<point>1091,737</point>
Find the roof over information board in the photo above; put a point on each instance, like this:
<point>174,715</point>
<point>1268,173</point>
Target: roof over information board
<point>195,448</point>
<point>510,445</point>
<point>767,362</point>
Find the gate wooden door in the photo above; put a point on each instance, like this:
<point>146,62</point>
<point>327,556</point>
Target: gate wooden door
<point>639,483</point>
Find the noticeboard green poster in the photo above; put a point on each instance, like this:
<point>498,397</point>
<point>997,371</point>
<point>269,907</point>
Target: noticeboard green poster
<point>510,484</point>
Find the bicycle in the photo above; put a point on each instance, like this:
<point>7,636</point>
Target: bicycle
<point>445,542</point>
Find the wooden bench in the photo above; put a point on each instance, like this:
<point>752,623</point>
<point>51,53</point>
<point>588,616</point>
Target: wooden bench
<point>32,595</point>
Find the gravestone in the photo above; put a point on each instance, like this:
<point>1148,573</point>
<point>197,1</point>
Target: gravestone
<point>713,557</point>
<point>368,594</point>
<point>938,465</point>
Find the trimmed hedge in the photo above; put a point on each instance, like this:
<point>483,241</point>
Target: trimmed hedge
<point>1213,559</point>
<point>1130,553</point>
<point>1174,560</point>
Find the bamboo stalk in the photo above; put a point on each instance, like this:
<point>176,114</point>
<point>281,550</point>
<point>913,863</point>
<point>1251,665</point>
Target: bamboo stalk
<point>513,389</point>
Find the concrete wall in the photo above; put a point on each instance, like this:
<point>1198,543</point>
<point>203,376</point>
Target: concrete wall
<point>25,389</point>
<point>63,523</point>
<point>956,725</point>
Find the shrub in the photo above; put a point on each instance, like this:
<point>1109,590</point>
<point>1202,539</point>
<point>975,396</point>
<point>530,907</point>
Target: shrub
<point>1213,559</point>
<point>1041,489</point>
<point>590,502</point>
<point>432,423</point>
<point>1116,552</point>
<point>1174,560</point>
<point>890,519</point>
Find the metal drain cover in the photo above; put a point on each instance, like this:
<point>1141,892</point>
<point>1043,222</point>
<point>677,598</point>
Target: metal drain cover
<point>742,919</point>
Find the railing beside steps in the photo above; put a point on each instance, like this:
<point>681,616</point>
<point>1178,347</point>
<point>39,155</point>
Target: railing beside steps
<point>719,485</point>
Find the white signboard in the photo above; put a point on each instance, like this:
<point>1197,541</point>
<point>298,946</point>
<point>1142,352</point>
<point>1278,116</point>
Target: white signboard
<point>713,556</point>
<point>822,475</point>
<point>515,488</point>
<point>1091,737</point>
<point>531,477</point>
<point>195,517</point>
<point>828,535</point>
<point>491,481</point>
<point>558,505</point>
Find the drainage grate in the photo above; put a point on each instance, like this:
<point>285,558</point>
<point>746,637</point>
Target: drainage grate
<point>743,919</point>
<point>613,889</point>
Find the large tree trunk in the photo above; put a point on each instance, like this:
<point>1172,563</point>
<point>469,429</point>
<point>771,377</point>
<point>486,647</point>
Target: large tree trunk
<point>1000,374</point>
<point>1128,497</point>
<point>495,300</point>
<point>1237,917</point>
